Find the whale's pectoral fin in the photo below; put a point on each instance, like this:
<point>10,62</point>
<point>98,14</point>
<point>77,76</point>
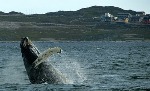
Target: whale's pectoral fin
<point>43,56</point>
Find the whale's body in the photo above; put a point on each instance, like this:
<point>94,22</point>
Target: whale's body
<point>38,70</point>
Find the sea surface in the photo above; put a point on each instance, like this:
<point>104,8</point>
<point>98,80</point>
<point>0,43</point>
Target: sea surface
<point>90,66</point>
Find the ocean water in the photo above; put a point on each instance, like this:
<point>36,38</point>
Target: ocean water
<point>90,66</point>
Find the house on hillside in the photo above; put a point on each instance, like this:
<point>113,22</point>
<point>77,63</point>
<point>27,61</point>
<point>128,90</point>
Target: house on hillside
<point>123,17</point>
<point>107,18</point>
<point>136,19</point>
<point>146,19</point>
<point>142,13</point>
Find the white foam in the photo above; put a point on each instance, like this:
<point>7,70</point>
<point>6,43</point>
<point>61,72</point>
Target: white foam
<point>70,67</point>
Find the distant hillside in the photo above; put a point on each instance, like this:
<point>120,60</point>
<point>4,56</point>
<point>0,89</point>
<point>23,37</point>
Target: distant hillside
<point>100,10</point>
<point>81,16</point>
<point>94,11</point>
<point>83,25</point>
<point>11,13</point>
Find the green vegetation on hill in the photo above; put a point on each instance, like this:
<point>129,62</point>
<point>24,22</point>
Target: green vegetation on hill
<point>70,25</point>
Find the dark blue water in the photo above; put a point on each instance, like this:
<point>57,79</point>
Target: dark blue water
<point>90,66</point>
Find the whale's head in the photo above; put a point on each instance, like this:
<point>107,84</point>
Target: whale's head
<point>25,43</point>
<point>29,51</point>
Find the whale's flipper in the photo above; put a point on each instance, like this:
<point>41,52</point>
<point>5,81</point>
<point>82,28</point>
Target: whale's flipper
<point>43,56</point>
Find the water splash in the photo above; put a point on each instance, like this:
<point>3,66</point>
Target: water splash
<point>69,66</point>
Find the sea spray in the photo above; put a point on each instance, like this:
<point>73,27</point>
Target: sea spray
<point>69,66</point>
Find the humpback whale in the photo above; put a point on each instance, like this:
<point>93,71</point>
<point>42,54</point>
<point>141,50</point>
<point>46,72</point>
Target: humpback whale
<point>38,69</point>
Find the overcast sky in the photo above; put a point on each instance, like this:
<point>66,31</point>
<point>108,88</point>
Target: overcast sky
<point>44,6</point>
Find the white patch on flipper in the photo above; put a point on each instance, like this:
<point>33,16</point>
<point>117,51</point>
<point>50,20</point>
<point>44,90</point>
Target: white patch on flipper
<point>43,56</point>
